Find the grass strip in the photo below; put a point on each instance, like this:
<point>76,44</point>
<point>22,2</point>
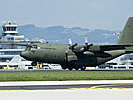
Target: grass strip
<point>66,76</point>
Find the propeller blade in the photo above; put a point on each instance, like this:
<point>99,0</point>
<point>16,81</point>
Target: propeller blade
<point>70,42</point>
<point>86,41</point>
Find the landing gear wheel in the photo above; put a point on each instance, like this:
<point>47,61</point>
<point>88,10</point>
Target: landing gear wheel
<point>83,68</point>
<point>34,63</point>
<point>76,68</point>
<point>64,67</point>
<point>70,68</point>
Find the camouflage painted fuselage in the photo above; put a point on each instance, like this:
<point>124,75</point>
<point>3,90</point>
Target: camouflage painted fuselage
<point>61,54</point>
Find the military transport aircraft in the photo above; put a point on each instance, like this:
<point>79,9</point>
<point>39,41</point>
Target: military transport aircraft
<point>79,56</point>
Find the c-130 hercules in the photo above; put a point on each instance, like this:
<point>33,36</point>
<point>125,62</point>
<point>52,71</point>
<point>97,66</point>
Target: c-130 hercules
<point>79,56</point>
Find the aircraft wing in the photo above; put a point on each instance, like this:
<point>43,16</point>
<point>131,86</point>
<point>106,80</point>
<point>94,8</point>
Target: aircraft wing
<point>100,48</point>
<point>113,47</point>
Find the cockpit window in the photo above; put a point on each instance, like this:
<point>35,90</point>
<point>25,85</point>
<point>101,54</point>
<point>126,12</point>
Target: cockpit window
<point>34,46</point>
<point>29,47</point>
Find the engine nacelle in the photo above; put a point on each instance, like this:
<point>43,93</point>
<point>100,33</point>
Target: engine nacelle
<point>78,49</point>
<point>94,48</point>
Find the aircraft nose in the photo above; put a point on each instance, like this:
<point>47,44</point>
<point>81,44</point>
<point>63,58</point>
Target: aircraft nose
<point>24,54</point>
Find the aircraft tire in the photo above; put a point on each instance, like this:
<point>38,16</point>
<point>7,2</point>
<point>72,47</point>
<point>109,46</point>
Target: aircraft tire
<point>76,68</point>
<point>83,68</point>
<point>64,67</point>
<point>70,68</point>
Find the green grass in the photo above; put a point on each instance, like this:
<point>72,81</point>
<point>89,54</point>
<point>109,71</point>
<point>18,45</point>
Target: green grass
<point>66,76</point>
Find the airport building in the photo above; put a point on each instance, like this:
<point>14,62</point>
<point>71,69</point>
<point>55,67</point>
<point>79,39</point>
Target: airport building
<point>122,62</point>
<point>9,36</point>
<point>127,59</point>
<point>9,51</point>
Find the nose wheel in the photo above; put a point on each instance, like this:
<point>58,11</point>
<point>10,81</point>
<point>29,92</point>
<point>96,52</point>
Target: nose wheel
<point>83,68</point>
<point>34,63</point>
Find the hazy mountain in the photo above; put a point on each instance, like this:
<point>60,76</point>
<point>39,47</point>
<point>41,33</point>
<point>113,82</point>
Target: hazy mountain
<point>60,34</point>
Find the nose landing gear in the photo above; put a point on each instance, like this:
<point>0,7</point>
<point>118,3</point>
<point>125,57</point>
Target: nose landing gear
<point>34,63</point>
<point>83,68</point>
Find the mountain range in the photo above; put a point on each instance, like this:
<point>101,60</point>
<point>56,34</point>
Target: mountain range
<point>60,34</point>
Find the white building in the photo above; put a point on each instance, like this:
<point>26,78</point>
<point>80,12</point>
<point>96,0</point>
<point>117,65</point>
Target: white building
<point>127,59</point>
<point>9,36</point>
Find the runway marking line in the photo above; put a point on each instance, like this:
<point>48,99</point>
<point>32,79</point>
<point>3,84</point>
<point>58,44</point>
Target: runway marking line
<point>14,90</point>
<point>102,88</point>
<point>109,88</point>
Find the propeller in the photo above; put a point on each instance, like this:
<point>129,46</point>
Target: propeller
<point>86,43</point>
<point>79,48</point>
<point>70,44</point>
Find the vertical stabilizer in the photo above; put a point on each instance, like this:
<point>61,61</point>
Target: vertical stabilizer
<point>126,36</point>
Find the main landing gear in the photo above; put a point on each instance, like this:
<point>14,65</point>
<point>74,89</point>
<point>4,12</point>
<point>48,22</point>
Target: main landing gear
<point>74,67</point>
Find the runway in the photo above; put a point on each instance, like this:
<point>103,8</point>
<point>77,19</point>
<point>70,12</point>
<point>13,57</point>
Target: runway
<point>67,90</point>
<point>66,71</point>
<point>59,87</point>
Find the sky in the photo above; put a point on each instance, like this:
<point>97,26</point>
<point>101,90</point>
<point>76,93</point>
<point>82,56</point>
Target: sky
<point>91,14</point>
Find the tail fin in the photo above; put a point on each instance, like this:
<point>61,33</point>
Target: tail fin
<point>126,36</point>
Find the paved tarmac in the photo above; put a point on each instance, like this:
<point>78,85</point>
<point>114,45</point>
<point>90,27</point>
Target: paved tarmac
<point>55,85</point>
<point>69,94</point>
<point>52,71</point>
<point>67,90</point>
<point>76,86</point>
